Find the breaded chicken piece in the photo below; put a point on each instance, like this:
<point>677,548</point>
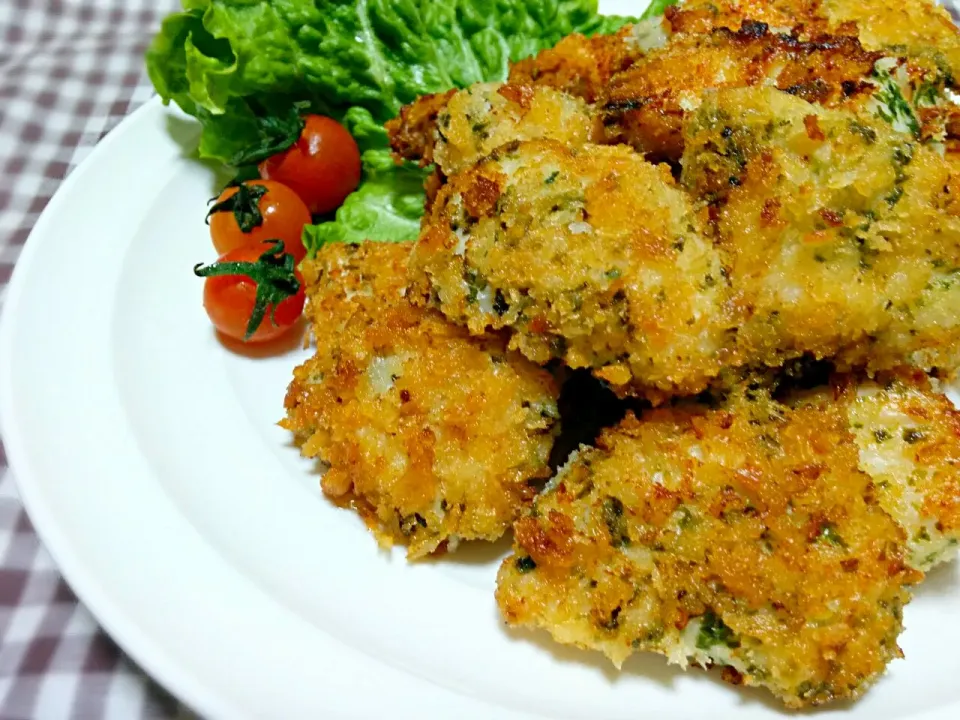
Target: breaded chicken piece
<point>909,442</point>
<point>745,536</point>
<point>920,28</point>
<point>809,49</point>
<point>430,434</point>
<point>413,133</point>
<point>471,123</point>
<point>457,129</point>
<point>583,66</point>
<point>591,255</point>
<point>841,234</point>
<point>645,105</point>
<point>478,120</point>
<point>698,17</point>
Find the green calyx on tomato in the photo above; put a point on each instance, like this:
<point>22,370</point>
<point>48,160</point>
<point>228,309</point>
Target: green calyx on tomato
<point>275,133</point>
<point>274,275</point>
<point>245,206</point>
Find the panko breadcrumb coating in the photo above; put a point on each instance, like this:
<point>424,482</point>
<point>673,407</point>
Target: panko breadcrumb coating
<point>478,120</point>
<point>432,435</point>
<point>645,106</point>
<point>413,133</point>
<point>842,235</point>
<point>921,28</point>
<point>460,127</point>
<point>913,84</point>
<point>909,442</point>
<point>752,535</point>
<point>701,16</point>
<point>584,66</point>
<point>895,60</point>
<point>591,255</point>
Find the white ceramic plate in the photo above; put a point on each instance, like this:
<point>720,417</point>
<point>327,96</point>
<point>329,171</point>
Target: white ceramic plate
<point>147,456</point>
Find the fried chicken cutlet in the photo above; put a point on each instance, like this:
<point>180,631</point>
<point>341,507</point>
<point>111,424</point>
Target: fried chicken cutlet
<point>645,105</point>
<point>589,255</point>
<point>582,66</point>
<point>481,118</point>
<point>842,235</point>
<point>469,124</point>
<point>919,28</point>
<point>753,535</point>
<point>432,435</point>
<point>837,236</point>
<point>805,55</point>
<point>908,439</point>
<point>914,84</point>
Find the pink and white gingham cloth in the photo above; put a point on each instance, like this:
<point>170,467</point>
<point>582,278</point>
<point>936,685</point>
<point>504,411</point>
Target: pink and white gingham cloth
<point>70,70</point>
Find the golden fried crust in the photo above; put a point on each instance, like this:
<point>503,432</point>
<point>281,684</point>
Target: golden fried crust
<point>589,255</point>
<point>836,231</point>
<point>431,187</point>
<point>919,28</point>
<point>432,435</point>
<point>702,16</point>
<point>580,66</point>
<point>907,434</point>
<point>645,105</point>
<point>909,442</point>
<point>413,132</point>
<point>478,120</point>
<point>743,536</point>
<point>471,123</point>
<point>826,46</point>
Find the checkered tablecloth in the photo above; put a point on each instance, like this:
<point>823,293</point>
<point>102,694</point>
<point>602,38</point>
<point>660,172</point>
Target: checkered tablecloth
<point>70,70</point>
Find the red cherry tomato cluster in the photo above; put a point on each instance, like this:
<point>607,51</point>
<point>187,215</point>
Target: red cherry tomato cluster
<point>253,292</point>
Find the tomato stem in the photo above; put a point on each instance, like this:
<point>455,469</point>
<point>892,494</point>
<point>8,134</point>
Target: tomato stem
<point>245,206</point>
<point>275,133</point>
<point>274,275</point>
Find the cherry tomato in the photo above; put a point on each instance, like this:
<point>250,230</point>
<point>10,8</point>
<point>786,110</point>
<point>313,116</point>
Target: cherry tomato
<point>253,280</point>
<point>322,167</point>
<point>256,211</point>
